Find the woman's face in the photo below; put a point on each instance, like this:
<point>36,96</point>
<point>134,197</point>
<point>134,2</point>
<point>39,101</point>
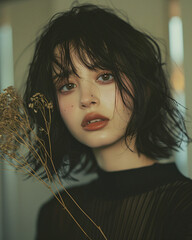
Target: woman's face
<point>91,107</point>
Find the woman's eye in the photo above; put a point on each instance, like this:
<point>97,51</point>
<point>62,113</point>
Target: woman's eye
<point>67,87</point>
<point>106,77</point>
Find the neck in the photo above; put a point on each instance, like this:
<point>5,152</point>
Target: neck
<point>118,156</point>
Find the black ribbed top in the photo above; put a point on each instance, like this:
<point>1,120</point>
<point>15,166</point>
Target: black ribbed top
<point>153,202</point>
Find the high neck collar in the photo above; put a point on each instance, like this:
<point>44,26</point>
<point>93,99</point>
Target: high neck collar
<point>138,180</point>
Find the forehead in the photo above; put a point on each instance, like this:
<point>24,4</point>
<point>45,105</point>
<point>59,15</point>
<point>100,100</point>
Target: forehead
<point>92,54</point>
<point>70,61</point>
<point>69,64</point>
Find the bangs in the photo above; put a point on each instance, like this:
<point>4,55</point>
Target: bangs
<point>92,46</point>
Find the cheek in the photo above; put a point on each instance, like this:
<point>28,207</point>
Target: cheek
<point>107,98</point>
<point>122,112</point>
<point>66,110</point>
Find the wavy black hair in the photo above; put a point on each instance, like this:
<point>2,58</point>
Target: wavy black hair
<point>103,40</point>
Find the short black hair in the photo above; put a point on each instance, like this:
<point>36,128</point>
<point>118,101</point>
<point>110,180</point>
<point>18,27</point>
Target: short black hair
<point>110,43</point>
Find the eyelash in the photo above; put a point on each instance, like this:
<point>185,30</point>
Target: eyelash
<point>106,74</point>
<point>111,78</point>
<point>66,85</point>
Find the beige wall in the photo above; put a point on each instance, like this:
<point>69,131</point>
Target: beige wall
<point>26,18</point>
<point>20,200</point>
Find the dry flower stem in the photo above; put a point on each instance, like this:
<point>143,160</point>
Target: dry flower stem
<point>16,131</point>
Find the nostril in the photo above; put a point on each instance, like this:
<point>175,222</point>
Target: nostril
<point>88,101</point>
<point>83,105</point>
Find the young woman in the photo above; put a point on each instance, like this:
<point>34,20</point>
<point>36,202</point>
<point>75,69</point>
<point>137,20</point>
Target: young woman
<point>112,104</point>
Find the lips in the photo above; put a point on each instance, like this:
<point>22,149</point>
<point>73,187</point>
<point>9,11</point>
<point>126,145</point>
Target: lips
<point>94,121</point>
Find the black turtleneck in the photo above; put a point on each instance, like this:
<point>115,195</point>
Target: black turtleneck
<point>153,202</point>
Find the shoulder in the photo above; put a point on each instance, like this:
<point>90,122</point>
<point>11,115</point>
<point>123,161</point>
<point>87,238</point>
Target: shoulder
<point>62,198</point>
<point>65,198</point>
<point>54,218</point>
<point>179,184</point>
<point>173,180</point>
<point>182,193</point>
<point>74,190</point>
<point>177,197</point>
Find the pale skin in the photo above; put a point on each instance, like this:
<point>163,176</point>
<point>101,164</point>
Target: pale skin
<point>95,92</point>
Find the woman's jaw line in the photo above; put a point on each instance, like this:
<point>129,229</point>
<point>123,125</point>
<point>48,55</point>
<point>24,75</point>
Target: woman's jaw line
<point>118,156</point>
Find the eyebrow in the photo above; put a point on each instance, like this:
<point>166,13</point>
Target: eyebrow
<point>63,76</point>
<point>68,73</point>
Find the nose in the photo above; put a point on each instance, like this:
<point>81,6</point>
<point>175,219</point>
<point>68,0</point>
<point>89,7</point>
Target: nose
<point>88,98</point>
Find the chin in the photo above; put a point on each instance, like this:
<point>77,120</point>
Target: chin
<point>100,142</point>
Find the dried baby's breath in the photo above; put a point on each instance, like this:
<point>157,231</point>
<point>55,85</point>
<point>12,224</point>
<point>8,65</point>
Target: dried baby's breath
<point>18,138</point>
<point>39,101</point>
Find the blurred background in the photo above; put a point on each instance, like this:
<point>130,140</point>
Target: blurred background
<point>20,23</point>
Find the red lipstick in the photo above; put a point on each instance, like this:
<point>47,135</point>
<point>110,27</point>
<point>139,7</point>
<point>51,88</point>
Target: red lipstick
<point>94,121</point>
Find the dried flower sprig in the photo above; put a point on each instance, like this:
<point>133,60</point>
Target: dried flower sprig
<point>18,138</point>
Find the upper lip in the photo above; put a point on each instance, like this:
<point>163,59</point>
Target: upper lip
<point>92,116</point>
